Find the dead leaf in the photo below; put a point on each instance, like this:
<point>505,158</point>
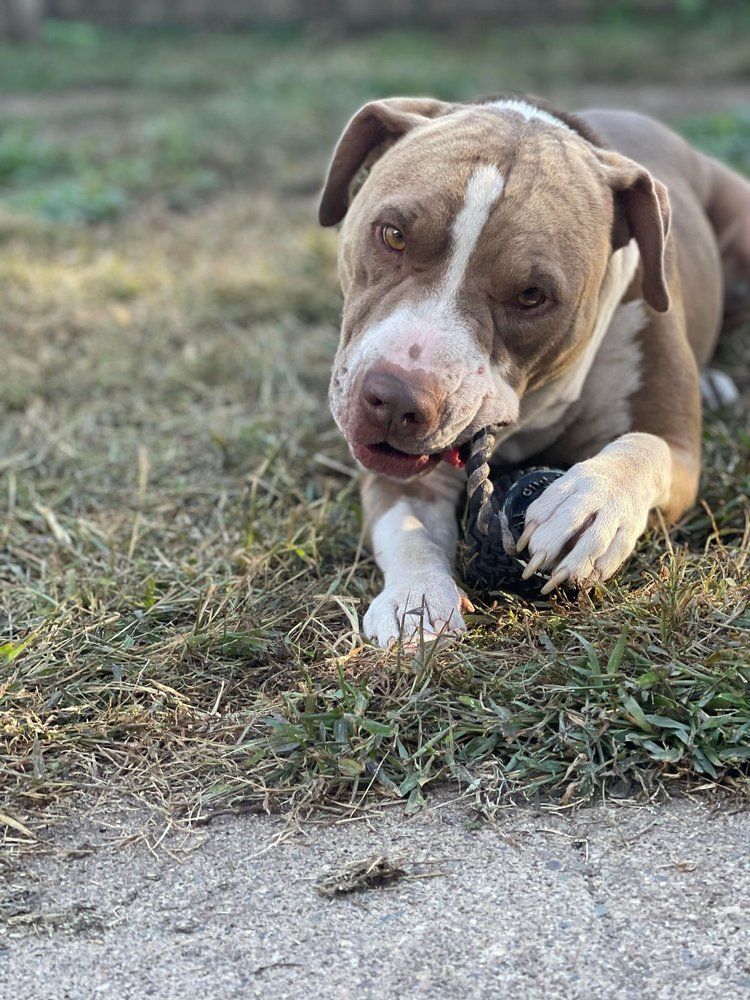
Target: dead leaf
<point>369,873</point>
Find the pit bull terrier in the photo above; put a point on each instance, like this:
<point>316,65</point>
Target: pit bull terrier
<point>559,278</point>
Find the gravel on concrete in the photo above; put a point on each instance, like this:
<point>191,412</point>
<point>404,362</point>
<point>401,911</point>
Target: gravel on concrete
<point>619,901</point>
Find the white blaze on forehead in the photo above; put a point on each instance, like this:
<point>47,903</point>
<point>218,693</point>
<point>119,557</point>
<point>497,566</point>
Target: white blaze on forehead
<point>482,191</point>
<point>527,111</point>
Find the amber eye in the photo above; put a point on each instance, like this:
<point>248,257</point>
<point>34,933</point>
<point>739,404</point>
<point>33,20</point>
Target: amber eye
<point>393,238</point>
<point>531,298</point>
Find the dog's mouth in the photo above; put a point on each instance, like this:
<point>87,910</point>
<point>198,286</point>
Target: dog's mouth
<point>389,461</point>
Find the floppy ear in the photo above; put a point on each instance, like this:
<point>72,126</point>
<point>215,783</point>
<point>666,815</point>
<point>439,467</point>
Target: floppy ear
<point>374,128</point>
<point>641,211</point>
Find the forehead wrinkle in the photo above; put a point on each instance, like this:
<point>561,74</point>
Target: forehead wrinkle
<point>484,187</point>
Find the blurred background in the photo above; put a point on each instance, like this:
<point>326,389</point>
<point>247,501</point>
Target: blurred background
<point>109,104</point>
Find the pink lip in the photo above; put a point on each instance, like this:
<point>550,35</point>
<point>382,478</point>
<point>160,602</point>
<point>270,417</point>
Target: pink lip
<point>389,461</point>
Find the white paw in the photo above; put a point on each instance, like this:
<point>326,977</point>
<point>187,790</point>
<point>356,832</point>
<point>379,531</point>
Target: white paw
<point>584,526</point>
<point>718,389</point>
<point>426,606</point>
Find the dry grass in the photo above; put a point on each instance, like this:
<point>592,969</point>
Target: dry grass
<point>181,578</point>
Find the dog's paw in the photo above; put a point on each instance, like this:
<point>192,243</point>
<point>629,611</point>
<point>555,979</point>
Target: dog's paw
<point>718,390</point>
<point>584,526</point>
<point>414,608</point>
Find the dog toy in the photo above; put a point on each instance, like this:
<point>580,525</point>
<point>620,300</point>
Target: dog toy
<point>494,520</point>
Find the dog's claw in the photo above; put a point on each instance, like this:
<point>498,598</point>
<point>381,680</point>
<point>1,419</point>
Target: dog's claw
<point>534,565</point>
<point>555,581</point>
<point>523,541</point>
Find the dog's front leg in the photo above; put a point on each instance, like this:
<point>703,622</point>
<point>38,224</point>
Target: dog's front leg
<point>413,532</point>
<point>586,524</point>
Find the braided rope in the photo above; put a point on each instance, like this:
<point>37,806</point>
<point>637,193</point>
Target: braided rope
<point>482,502</point>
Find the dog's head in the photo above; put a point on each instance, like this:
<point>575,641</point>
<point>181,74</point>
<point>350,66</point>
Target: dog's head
<point>472,259</point>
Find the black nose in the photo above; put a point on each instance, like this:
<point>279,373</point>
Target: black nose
<point>397,407</point>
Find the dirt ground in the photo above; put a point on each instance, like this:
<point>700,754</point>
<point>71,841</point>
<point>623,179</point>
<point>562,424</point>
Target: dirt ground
<point>616,901</point>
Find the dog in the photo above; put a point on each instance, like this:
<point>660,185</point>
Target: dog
<point>557,277</point>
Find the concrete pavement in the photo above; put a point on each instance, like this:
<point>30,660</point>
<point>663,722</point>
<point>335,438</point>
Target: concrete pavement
<point>624,901</point>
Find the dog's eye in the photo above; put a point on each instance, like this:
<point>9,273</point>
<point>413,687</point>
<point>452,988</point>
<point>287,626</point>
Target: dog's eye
<point>393,238</point>
<point>531,298</point>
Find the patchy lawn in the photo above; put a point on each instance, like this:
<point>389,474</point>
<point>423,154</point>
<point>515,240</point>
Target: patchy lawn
<point>181,571</point>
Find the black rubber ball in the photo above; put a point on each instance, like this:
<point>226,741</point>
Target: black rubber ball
<point>490,564</point>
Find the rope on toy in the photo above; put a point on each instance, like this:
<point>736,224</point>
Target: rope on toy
<point>479,485</point>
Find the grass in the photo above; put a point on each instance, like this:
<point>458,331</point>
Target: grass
<point>181,570</point>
